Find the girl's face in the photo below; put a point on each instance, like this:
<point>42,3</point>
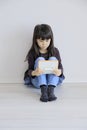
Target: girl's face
<point>43,44</point>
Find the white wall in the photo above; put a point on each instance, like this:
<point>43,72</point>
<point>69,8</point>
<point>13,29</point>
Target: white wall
<point>68,19</point>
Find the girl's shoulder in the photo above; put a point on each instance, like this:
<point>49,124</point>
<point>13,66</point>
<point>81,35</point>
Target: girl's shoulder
<point>30,55</point>
<point>57,53</point>
<point>31,52</point>
<point>56,50</point>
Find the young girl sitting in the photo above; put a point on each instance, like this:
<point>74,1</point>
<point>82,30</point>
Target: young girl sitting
<point>43,49</point>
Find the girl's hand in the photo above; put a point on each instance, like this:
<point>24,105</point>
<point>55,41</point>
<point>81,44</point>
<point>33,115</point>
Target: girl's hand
<point>57,72</point>
<point>37,72</point>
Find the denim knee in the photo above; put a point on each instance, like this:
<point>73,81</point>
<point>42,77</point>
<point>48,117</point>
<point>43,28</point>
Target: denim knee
<point>36,61</point>
<point>39,58</point>
<point>52,58</point>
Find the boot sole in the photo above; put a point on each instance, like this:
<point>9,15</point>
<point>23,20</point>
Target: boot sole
<point>52,99</point>
<point>43,100</point>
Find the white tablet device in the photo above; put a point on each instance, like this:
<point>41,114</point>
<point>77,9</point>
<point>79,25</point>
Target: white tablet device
<point>47,66</point>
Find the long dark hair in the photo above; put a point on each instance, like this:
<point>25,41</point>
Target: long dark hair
<point>42,31</point>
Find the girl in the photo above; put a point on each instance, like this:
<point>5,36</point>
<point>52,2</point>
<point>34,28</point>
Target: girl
<point>43,49</point>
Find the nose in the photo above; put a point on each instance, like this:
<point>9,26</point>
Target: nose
<point>44,42</point>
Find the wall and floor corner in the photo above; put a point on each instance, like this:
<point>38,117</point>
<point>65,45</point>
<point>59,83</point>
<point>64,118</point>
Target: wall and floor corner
<point>68,20</point>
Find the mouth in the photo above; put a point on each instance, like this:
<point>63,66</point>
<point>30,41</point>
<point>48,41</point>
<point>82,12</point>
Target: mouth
<point>44,46</point>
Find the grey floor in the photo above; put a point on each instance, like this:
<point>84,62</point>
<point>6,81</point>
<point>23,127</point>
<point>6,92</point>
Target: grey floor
<point>20,108</point>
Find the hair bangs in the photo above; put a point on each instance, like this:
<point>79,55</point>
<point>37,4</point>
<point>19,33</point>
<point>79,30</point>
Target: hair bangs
<point>44,36</point>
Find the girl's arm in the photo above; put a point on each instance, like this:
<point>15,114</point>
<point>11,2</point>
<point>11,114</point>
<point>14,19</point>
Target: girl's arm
<point>60,67</point>
<point>30,63</point>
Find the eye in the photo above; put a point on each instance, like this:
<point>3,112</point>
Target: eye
<point>41,40</point>
<point>47,40</point>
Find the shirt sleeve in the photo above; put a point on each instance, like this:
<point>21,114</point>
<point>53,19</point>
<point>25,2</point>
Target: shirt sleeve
<point>30,63</point>
<point>57,54</point>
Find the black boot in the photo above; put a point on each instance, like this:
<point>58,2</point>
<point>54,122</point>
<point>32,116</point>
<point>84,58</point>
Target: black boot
<point>44,94</point>
<point>51,95</point>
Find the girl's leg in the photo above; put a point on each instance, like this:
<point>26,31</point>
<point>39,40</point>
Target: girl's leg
<point>41,79</point>
<point>55,80</point>
<point>51,78</point>
<point>40,82</point>
<point>52,81</point>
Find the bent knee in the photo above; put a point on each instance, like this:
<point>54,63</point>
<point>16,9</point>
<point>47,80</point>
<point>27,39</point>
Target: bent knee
<point>52,58</point>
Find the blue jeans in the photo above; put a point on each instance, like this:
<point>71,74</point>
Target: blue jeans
<point>47,79</point>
